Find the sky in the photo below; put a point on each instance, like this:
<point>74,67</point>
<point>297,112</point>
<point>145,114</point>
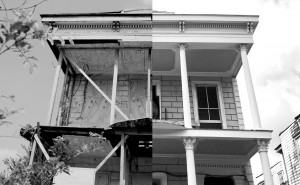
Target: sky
<point>274,63</point>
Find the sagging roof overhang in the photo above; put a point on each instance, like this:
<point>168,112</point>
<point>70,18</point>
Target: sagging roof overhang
<point>137,130</point>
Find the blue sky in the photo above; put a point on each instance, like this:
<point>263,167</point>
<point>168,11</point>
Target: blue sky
<point>274,62</point>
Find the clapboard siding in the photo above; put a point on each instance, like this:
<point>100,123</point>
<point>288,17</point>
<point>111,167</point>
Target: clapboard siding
<point>291,155</point>
<point>171,99</point>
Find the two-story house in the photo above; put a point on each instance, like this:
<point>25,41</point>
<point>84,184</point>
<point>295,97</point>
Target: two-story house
<point>161,88</point>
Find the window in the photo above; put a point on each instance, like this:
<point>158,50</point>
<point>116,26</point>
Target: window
<point>208,105</point>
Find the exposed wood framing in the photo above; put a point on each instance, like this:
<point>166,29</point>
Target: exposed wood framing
<point>110,154</point>
<point>62,95</point>
<point>54,88</point>
<point>32,153</point>
<point>114,88</point>
<point>98,89</point>
<point>122,161</point>
<point>37,139</point>
<point>149,102</point>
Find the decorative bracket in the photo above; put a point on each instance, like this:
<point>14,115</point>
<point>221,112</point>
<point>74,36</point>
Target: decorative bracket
<point>116,26</point>
<point>181,26</point>
<point>250,28</point>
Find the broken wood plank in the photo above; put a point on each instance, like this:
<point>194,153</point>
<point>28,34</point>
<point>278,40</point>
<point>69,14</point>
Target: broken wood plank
<point>54,88</point>
<point>37,139</point>
<point>32,153</point>
<point>110,154</point>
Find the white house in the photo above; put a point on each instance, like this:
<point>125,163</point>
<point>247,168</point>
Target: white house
<point>114,64</point>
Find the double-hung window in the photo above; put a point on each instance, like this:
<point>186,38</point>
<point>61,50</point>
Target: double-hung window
<point>208,105</point>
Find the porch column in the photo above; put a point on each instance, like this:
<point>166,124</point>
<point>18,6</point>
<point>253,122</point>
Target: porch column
<point>264,159</point>
<point>189,143</point>
<point>185,88</point>
<point>250,89</point>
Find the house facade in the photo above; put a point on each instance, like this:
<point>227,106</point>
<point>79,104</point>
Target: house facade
<point>289,150</point>
<point>278,173</point>
<point>161,88</point>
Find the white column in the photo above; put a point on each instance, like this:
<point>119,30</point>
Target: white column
<point>250,89</point>
<point>264,159</point>
<point>122,161</point>
<point>189,143</point>
<point>185,88</point>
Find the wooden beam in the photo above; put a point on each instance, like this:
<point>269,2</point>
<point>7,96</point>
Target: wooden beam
<point>98,89</point>
<point>63,94</point>
<point>122,161</point>
<point>54,88</point>
<point>32,153</point>
<point>114,88</point>
<point>149,102</point>
<point>37,139</point>
<point>110,154</point>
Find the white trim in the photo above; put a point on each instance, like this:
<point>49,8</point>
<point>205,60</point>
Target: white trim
<point>220,101</point>
<point>157,83</point>
<point>161,176</point>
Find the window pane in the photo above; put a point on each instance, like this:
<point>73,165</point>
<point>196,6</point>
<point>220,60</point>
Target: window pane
<point>212,97</point>
<point>203,114</point>
<point>202,99</point>
<point>214,114</point>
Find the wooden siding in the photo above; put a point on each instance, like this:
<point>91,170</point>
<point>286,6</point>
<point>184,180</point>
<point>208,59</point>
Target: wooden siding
<point>291,155</point>
<point>171,100</point>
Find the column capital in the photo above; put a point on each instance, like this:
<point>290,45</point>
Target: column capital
<point>243,47</point>
<point>181,46</point>
<point>263,145</point>
<point>189,143</point>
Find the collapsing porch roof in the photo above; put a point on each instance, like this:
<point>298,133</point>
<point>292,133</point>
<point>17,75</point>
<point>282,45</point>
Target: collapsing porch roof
<point>138,130</point>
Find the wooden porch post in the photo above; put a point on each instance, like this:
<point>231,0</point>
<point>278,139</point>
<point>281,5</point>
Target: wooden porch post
<point>122,161</point>
<point>189,143</point>
<point>264,159</point>
<point>54,88</point>
<point>114,88</point>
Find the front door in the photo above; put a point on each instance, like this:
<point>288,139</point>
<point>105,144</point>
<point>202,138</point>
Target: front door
<point>218,181</point>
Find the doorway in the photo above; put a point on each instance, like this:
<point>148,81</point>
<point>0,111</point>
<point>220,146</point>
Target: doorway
<point>218,181</point>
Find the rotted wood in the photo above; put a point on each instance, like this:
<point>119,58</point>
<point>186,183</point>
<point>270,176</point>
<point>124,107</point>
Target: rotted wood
<point>110,154</point>
<point>98,89</point>
<point>54,88</point>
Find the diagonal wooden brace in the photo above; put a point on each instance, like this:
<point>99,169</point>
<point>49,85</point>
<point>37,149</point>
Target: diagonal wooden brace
<point>98,89</point>
<point>110,154</point>
<point>38,141</point>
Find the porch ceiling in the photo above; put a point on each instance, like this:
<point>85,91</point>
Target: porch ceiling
<point>206,147</point>
<point>198,60</point>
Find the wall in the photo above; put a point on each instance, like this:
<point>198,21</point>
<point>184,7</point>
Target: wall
<point>90,109</point>
<point>176,170</point>
<point>140,169</point>
<point>291,155</point>
<point>171,100</point>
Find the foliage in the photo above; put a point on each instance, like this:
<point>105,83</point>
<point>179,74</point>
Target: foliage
<point>4,112</point>
<point>41,172</point>
<point>16,33</point>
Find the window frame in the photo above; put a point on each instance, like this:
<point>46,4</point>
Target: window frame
<point>218,85</point>
<point>157,84</point>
